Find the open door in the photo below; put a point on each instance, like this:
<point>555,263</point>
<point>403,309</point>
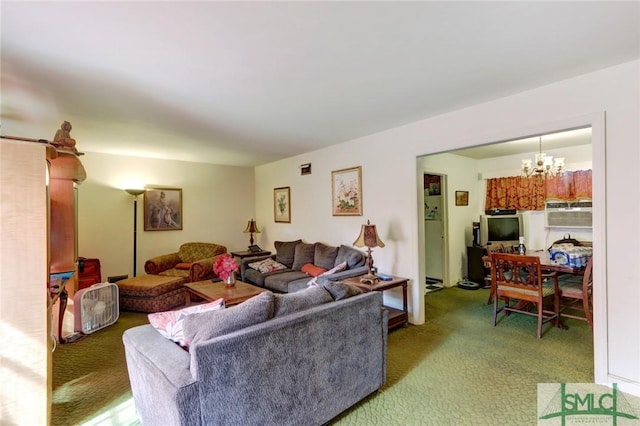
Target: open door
<point>434,230</point>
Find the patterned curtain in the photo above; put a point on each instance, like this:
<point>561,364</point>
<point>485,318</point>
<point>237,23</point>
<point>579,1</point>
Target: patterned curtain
<point>569,186</point>
<point>530,193</point>
<point>515,192</point>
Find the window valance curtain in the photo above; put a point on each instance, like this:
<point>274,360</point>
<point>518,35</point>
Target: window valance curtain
<point>530,193</point>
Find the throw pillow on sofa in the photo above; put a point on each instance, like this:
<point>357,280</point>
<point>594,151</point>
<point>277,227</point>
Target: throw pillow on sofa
<point>304,254</point>
<point>312,270</point>
<point>288,303</point>
<point>267,265</point>
<point>353,257</point>
<point>285,251</point>
<point>340,267</point>
<point>207,325</point>
<point>171,323</point>
<point>340,290</point>
<point>325,256</point>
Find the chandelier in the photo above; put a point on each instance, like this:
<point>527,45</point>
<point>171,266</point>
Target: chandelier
<point>544,164</point>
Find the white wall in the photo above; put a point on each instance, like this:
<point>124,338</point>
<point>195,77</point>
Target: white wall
<point>217,202</point>
<point>390,187</point>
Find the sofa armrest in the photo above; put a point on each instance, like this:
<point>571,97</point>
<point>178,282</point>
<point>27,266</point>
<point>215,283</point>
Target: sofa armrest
<point>244,262</point>
<point>360,270</point>
<point>164,391</point>
<point>159,264</point>
<point>203,269</point>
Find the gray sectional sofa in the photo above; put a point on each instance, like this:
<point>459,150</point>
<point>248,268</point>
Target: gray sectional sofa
<point>277,359</point>
<point>294,255</point>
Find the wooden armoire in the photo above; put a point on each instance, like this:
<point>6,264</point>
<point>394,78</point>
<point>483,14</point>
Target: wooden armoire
<point>37,238</point>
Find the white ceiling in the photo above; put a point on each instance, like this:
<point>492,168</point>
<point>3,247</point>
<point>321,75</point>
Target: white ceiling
<point>245,83</point>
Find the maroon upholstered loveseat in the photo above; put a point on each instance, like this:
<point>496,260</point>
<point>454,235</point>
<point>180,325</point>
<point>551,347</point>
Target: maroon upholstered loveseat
<point>193,262</point>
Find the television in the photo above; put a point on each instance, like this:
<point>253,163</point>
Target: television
<point>505,229</point>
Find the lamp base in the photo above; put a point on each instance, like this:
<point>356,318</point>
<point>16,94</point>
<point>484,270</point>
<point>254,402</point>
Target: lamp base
<point>369,279</point>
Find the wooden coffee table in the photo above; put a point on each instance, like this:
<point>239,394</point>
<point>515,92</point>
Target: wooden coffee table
<point>232,295</point>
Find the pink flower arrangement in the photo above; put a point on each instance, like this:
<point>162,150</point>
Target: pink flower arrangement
<point>224,265</point>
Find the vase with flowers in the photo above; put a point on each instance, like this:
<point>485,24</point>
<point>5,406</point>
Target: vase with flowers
<point>225,267</point>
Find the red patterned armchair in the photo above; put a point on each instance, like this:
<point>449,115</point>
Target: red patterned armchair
<point>193,262</point>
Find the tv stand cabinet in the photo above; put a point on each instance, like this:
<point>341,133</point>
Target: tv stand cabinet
<point>476,271</point>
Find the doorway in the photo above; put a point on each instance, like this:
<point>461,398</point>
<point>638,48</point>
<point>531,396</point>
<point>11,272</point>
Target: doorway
<point>434,230</point>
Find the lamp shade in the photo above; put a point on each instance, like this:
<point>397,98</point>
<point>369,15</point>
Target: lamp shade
<point>135,192</point>
<point>252,227</point>
<point>368,237</point>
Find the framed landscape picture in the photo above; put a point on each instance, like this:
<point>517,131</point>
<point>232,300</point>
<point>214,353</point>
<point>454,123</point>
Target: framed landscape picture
<point>346,192</point>
<point>282,204</point>
<point>162,209</point>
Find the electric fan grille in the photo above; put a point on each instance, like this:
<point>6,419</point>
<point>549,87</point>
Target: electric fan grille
<point>96,307</point>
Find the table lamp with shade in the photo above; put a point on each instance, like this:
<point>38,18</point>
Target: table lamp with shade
<point>252,228</point>
<point>368,238</point>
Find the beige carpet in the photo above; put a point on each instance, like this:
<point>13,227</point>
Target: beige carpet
<point>456,369</point>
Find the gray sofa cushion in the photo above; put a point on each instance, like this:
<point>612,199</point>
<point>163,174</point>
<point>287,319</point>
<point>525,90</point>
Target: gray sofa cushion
<point>205,325</point>
<point>353,257</point>
<point>256,277</point>
<point>325,256</point>
<point>299,284</point>
<point>285,251</point>
<point>304,254</point>
<point>340,290</point>
<point>280,281</point>
<point>285,304</point>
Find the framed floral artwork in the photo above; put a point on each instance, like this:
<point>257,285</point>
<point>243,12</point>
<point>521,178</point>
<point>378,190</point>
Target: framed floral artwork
<point>346,192</point>
<point>162,209</point>
<point>282,204</point>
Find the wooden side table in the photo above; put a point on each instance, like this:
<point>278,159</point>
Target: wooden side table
<point>247,253</point>
<point>397,317</point>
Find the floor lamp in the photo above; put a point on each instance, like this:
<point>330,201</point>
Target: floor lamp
<point>135,193</point>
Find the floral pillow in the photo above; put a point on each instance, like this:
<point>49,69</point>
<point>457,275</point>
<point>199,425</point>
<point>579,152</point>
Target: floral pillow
<point>339,267</point>
<point>169,323</point>
<point>267,265</point>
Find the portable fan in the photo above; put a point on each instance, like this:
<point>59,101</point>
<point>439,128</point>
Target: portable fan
<point>96,307</point>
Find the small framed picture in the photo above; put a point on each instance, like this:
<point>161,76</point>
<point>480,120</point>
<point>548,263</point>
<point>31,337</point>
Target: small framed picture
<point>282,204</point>
<point>462,198</point>
<point>432,184</point>
<point>346,192</point>
<point>162,209</point>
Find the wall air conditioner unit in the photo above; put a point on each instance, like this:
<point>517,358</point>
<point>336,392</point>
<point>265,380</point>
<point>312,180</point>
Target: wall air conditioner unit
<point>561,214</point>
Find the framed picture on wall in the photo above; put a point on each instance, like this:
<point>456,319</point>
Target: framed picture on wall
<point>162,209</point>
<point>346,192</point>
<point>282,204</point>
<point>432,184</point>
<point>462,198</point>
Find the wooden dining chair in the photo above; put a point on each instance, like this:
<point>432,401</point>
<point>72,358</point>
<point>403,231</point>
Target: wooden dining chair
<point>576,297</point>
<point>493,248</point>
<point>519,286</point>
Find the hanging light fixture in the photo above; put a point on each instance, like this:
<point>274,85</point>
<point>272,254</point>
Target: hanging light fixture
<point>544,164</point>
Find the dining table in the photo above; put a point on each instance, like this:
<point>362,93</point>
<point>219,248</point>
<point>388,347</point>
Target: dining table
<point>546,264</point>
<point>550,265</point>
